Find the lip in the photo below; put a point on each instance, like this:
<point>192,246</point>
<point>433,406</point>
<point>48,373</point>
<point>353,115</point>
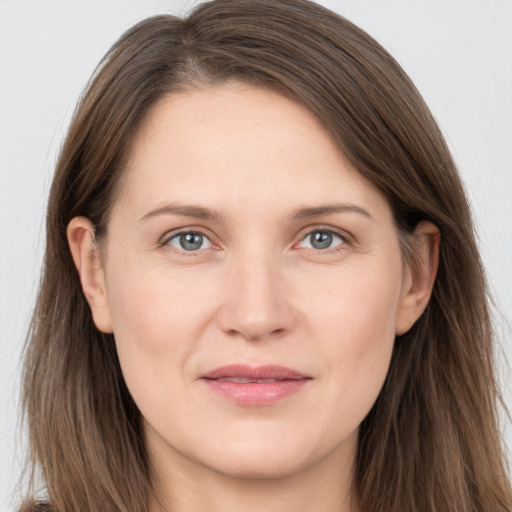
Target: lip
<point>255,386</point>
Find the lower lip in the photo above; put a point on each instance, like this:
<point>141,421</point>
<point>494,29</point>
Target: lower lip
<point>253,393</point>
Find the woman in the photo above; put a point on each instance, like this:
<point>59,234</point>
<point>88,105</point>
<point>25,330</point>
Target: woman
<point>261,286</point>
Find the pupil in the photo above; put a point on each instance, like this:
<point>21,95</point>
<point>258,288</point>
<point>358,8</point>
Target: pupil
<point>191,241</point>
<point>321,240</point>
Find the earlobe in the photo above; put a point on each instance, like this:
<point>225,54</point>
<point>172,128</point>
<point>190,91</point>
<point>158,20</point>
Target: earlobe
<point>419,276</point>
<point>87,261</point>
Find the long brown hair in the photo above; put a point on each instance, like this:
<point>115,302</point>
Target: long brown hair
<point>431,441</point>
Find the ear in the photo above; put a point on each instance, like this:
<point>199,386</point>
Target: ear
<point>88,263</point>
<point>419,276</point>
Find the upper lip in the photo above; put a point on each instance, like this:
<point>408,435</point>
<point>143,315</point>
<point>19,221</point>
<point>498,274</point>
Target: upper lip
<point>265,372</point>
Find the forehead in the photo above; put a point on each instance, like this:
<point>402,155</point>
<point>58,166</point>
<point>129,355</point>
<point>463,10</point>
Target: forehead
<point>238,146</point>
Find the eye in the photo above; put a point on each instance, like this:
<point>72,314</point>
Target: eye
<point>189,241</point>
<point>321,239</point>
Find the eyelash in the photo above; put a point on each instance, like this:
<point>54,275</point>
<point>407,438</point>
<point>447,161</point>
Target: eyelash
<point>344,238</point>
<point>168,239</point>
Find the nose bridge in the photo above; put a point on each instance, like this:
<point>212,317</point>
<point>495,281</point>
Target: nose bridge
<point>256,304</point>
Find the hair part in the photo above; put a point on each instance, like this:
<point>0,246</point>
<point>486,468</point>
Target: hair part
<point>431,441</point>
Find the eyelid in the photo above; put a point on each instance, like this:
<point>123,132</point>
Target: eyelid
<point>346,237</point>
<point>303,233</point>
<point>165,239</point>
<point>178,237</point>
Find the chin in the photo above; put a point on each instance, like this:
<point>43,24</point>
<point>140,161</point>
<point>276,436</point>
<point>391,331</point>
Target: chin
<point>273,455</point>
<point>260,464</point>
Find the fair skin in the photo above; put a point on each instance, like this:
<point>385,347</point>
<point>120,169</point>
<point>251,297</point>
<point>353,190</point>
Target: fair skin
<point>292,259</point>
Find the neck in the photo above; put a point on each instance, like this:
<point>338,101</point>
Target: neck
<point>325,486</point>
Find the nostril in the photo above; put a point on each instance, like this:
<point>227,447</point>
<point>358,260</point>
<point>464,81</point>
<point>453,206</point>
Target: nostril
<point>256,310</point>
<point>257,334</point>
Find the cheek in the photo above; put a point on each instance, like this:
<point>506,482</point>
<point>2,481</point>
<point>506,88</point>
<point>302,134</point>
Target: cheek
<point>156,316</point>
<point>354,320</point>
<point>151,304</point>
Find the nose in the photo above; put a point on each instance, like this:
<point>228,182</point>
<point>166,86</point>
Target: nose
<point>257,302</point>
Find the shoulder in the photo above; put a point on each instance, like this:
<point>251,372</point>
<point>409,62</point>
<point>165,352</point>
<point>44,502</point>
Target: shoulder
<point>36,506</point>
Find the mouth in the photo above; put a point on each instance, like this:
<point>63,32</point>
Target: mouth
<point>255,386</point>
<point>245,380</point>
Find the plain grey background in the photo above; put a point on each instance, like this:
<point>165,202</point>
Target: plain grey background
<point>458,53</point>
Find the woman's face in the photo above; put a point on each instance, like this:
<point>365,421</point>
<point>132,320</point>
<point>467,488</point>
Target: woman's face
<point>254,284</point>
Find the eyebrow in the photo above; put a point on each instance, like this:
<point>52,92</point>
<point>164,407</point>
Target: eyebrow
<point>200,212</point>
<point>317,211</point>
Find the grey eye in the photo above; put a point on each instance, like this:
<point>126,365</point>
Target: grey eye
<point>321,239</point>
<point>189,241</point>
